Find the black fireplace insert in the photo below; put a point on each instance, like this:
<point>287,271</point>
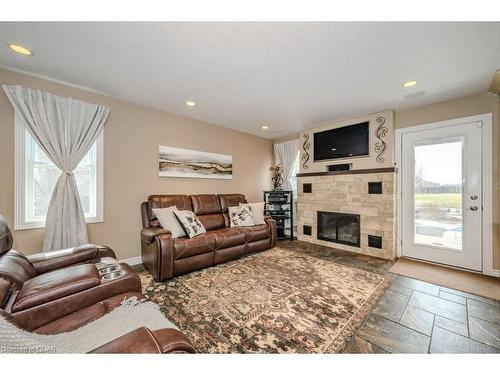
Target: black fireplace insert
<point>339,227</point>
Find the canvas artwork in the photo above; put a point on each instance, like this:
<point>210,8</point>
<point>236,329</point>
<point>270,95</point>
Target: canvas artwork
<point>179,162</point>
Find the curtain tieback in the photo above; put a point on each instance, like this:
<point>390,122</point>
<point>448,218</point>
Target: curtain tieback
<point>68,172</point>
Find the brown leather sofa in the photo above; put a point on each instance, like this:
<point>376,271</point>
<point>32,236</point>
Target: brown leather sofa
<point>165,257</point>
<point>51,293</point>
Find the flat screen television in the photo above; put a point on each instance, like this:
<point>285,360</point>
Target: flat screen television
<point>345,142</point>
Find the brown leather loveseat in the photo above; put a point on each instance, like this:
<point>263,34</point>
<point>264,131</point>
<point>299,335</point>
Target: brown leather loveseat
<point>165,257</point>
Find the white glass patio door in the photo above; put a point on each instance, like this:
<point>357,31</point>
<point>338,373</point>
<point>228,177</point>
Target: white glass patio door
<point>441,195</point>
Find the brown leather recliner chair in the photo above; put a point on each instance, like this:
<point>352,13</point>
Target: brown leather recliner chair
<point>42,288</point>
<point>165,257</point>
<point>60,291</point>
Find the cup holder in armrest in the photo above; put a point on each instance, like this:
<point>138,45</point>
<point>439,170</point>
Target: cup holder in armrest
<point>112,275</point>
<point>106,270</point>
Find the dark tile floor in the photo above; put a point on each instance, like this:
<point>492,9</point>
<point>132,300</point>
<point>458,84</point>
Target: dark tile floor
<point>415,316</point>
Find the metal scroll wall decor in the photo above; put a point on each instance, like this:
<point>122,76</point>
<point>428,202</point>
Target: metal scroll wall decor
<point>380,145</point>
<point>305,155</point>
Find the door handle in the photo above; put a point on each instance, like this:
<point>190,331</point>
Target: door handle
<point>473,208</point>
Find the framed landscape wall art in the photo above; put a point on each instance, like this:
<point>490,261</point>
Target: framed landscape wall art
<point>179,162</point>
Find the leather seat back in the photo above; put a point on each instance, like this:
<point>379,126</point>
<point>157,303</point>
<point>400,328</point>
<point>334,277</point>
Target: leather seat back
<point>6,239</point>
<point>207,208</point>
<point>229,200</point>
<point>14,266</point>
<point>211,209</point>
<point>182,202</point>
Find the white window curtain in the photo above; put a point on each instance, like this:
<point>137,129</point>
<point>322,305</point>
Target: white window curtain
<point>286,154</point>
<point>64,129</point>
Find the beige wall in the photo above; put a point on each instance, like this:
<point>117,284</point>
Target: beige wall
<point>463,107</point>
<point>132,134</point>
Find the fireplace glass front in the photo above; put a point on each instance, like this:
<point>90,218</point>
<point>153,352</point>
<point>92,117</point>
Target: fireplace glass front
<point>338,227</point>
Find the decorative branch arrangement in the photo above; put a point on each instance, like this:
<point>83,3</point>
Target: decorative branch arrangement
<point>277,177</point>
<point>381,132</point>
<point>305,155</point>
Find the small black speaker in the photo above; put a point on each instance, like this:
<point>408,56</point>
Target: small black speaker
<point>339,167</point>
<point>375,188</point>
<point>307,188</point>
<point>307,230</point>
<point>375,241</point>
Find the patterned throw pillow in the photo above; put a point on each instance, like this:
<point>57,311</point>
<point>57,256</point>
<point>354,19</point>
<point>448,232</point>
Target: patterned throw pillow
<point>241,216</point>
<point>257,211</point>
<point>190,223</point>
<point>168,221</point>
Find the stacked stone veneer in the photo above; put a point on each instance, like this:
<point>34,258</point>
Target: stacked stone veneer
<point>348,193</point>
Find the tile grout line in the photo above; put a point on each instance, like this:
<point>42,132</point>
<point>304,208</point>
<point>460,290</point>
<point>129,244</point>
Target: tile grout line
<point>468,338</point>
<point>467,316</point>
<point>432,332</point>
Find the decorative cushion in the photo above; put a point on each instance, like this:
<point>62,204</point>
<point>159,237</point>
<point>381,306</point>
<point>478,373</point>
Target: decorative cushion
<point>241,216</point>
<point>190,223</point>
<point>257,211</point>
<point>168,221</point>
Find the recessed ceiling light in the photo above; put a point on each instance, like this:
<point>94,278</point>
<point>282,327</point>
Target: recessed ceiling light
<point>20,49</point>
<point>264,127</point>
<point>190,103</point>
<point>409,84</point>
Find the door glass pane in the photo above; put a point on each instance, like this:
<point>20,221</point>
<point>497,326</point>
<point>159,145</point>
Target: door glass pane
<point>438,193</point>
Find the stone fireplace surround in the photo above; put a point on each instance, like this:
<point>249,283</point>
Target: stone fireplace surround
<point>348,192</point>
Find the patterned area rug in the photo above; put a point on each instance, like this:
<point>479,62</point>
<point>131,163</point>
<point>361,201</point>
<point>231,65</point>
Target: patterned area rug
<point>277,301</point>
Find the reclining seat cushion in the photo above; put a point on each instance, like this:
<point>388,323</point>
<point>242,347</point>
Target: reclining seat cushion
<point>229,237</point>
<point>229,200</point>
<point>86,315</point>
<point>207,208</point>
<point>187,247</point>
<point>182,202</point>
<point>257,232</point>
<point>56,284</point>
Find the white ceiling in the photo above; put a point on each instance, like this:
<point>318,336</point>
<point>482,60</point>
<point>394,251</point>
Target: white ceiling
<point>289,76</point>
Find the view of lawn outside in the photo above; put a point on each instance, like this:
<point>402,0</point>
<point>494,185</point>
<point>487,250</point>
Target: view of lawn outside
<point>438,195</point>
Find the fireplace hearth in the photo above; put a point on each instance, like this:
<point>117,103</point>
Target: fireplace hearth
<point>339,227</point>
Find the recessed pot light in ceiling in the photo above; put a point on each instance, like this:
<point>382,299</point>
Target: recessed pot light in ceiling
<point>190,103</point>
<point>409,84</point>
<point>264,127</point>
<point>17,48</point>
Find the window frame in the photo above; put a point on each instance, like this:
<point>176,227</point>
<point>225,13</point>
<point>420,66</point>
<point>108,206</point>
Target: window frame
<point>20,222</point>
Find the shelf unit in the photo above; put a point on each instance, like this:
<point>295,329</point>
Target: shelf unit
<point>279,205</point>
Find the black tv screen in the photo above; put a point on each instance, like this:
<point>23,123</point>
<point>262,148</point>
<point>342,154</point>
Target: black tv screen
<point>345,142</point>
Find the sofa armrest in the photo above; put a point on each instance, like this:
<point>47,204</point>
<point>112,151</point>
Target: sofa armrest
<point>272,228</point>
<point>143,340</point>
<point>49,261</point>
<point>148,234</point>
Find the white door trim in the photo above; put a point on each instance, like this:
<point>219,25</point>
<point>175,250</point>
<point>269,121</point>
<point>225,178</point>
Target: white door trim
<point>487,174</point>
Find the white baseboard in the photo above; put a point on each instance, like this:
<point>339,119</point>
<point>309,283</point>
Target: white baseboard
<point>132,261</point>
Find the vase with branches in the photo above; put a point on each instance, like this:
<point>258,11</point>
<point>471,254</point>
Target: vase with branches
<point>277,177</point>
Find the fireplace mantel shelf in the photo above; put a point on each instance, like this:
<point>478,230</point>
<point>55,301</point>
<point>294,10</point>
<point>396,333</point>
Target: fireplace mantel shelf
<point>353,171</point>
